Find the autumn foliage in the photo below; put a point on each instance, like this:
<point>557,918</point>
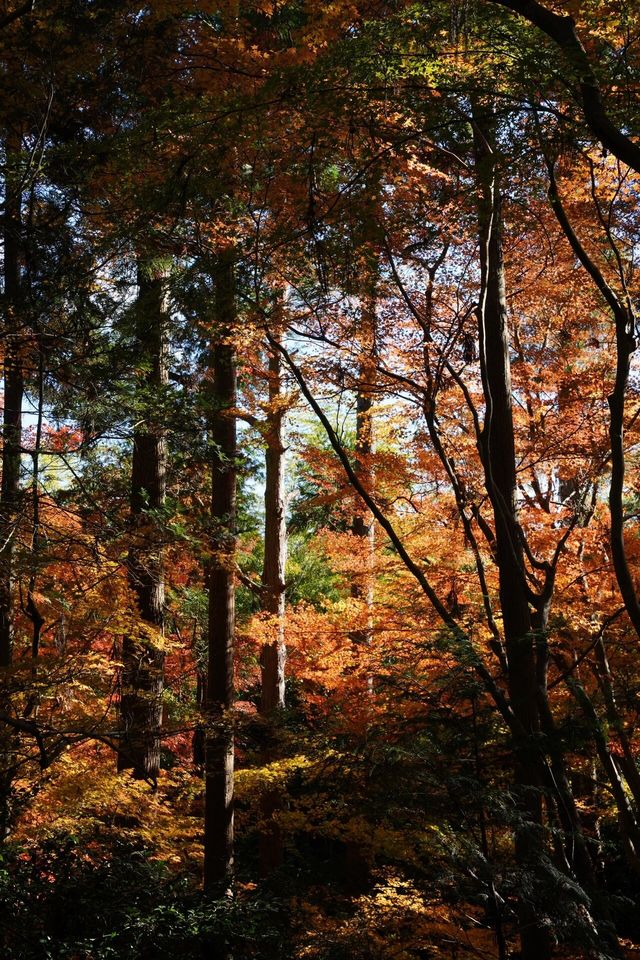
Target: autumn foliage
<point>319,553</point>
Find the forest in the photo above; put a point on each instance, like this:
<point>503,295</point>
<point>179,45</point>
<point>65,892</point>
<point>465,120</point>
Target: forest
<point>320,480</point>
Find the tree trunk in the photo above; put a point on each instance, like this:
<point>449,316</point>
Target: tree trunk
<point>362,526</point>
<point>143,659</point>
<point>31,607</point>
<point>627,815</point>
<point>198,740</point>
<point>497,448</point>
<point>11,448</point>
<point>273,655</point>
<point>272,658</point>
<point>625,323</point>
<point>357,867</point>
<point>625,346</point>
<point>13,395</point>
<point>218,825</point>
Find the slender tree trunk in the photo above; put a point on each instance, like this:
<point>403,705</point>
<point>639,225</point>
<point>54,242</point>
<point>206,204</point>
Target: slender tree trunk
<point>12,445</point>
<point>362,587</point>
<point>576,855</point>
<point>357,864</point>
<point>218,826</point>
<point>362,526</point>
<point>198,741</point>
<point>627,815</point>
<point>625,323</point>
<point>524,631</point>
<point>493,907</point>
<point>498,456</point>
<point>13,395</point>
<point>143,660</point>
<point>34,614</point>
<point>272,658</point>
<point>273,655</point>
<point>625,346</point>
<point>627,758</point>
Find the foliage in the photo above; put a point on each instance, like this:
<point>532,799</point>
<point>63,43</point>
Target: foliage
<point>411,228</point>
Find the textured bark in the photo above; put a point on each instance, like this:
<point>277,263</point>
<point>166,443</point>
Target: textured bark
<point>218,827</point>
<point>362,525</point>
<point>143,662</point>
<point>11,450</point>
<point>272,658</point>
<point>13,396</point>
<point>273,655</point>
<point>31,607</point>
<point>357,867</point>
<point>497,445</point>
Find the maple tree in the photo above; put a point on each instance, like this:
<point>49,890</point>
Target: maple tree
<point>319,543</point>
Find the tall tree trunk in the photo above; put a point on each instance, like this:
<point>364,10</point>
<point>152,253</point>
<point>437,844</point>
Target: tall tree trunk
<point>13,394</point>
<point>272,657</point>
<point>524,631</point>
<point>273,654</point>
<point>31,607</point>
<point>625,347</point>
<point>143,659</point>
<point>498,456</point>
<point>218,826</point>
<point>357,866</point>
<point>12,444</point>
<point>362,525</point>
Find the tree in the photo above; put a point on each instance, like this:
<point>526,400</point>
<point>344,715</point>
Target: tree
<point>141,697</point>
<point>561,29</point>
<point>272,656</point>
<point>13,334</point>
<point>497,445</point>
<point>14,326</point>
<point>219,746</point>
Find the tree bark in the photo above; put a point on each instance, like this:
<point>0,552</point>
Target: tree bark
<point>218,825</point>
<point>13,395</point>
<point>11,448</point>
<point>362,526</point>
<point>142,656</point>
<point>497,449</point>
<point>272,657</point>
